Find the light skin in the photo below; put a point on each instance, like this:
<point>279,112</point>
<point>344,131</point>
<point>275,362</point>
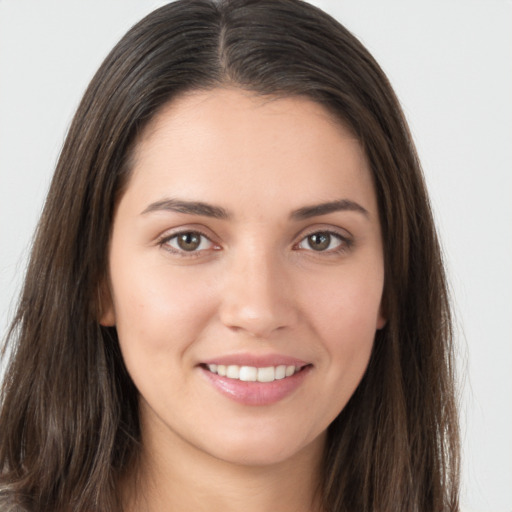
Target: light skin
<point>249,229</point>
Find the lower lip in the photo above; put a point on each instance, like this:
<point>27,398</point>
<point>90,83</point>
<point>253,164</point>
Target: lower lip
<point>257,393</point>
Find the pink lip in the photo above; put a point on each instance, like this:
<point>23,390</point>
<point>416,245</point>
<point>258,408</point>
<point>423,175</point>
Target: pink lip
<point>256,393</point>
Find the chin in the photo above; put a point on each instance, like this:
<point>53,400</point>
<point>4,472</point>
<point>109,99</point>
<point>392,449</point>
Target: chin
<point>262,452</point>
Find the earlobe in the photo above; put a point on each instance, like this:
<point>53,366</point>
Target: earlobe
<point>108,319</point>
<point>381,318</point>
<point>381,322</point>
<point>106,313</point>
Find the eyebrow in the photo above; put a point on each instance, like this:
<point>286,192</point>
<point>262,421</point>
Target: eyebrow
<point>189,207</point>
<point>217,212</point>
<point>326,208</point>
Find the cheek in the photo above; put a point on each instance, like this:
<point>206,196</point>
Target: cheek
<point>350,303</point>
<point>345,316</point>
<point>345,320</point>
<point>158,308</point>
<point>160,313</point>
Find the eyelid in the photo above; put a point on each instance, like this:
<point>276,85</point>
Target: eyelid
<point>346,238</point>
<point>325,228</point>
<point>168,235</point>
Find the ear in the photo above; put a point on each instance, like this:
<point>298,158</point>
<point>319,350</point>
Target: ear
<point>381,318</point>
<point>106,313</point>
<point>381,321</point>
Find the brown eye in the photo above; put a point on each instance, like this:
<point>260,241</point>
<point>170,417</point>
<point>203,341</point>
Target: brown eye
<point>322,241</point>
<point>319,241</point>
<point>188,241</point>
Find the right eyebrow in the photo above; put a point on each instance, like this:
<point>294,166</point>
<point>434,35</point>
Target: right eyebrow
<point>188,207</point>
<point>325,208</point>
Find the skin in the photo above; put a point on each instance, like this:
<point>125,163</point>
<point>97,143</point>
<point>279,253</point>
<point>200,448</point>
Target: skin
<point>255,285</point>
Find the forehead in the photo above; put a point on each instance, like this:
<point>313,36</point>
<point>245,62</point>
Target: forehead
<point>234,104</point>
<point>209,142</point>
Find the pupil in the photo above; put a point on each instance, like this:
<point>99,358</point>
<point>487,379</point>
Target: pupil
<point>189,241</point>
<point>319,241</point>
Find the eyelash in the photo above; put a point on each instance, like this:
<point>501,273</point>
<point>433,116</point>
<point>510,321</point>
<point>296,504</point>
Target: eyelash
<point>345,243</point>
<point>166,239</point>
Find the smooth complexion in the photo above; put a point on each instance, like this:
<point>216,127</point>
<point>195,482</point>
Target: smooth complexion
<point>248,236</point>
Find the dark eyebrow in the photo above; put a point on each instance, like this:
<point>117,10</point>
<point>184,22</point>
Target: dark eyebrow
<point>332,206</point>
<point>190,207</point>
<point>217,212</point>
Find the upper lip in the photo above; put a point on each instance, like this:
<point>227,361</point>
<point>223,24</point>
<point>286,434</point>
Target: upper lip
<point>258,361</point>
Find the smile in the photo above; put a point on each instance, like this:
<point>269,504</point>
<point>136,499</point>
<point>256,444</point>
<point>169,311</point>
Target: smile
<point>256,385</point>
<point>252,373</point>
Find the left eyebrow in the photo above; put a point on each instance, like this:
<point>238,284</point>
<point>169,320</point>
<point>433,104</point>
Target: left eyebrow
<point>324,208</point>
<point>188,207</point>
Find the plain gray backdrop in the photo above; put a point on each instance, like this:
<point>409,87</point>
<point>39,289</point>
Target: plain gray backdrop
<point>450,62</point>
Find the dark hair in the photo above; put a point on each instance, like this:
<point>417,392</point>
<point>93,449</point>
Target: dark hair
<point>69,419</point>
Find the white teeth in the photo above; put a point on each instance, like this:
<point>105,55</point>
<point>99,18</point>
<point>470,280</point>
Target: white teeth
<point>281,372</point>
<point>253,374</point>
<point>248,373</point>
<point>233,372</point>
<point>266,374</point>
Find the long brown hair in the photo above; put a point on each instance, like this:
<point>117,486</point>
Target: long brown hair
<point>69,419</point>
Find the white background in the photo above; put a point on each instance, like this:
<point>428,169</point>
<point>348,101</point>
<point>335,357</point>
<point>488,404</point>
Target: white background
<point>451,64</point>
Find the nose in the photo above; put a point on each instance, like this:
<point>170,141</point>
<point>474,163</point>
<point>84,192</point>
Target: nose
<point>258,296</point>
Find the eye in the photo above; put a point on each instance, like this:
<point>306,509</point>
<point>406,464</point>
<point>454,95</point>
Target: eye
<point>323,241</point>
<point>187,241</point>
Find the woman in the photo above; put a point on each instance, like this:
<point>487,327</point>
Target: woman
<point>235,297</point>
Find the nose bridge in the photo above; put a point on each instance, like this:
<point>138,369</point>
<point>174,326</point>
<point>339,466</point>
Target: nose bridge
<point>258,297</point>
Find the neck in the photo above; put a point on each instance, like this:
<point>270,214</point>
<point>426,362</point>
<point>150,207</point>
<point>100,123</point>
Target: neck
<point>174,476</point>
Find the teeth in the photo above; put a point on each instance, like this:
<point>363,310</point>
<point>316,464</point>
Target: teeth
<point>233,372</point>
<point>281,372</point>
<point>253,374</point>
<point>290,370</point>
<point>266,374</point>
<point>248,373</point>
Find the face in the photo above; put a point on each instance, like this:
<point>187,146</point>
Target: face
<point>246,275</point>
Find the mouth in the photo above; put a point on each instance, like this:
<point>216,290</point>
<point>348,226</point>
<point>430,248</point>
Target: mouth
<point>253,373</point>
<point>261,385</point>
<point>256,379</point>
